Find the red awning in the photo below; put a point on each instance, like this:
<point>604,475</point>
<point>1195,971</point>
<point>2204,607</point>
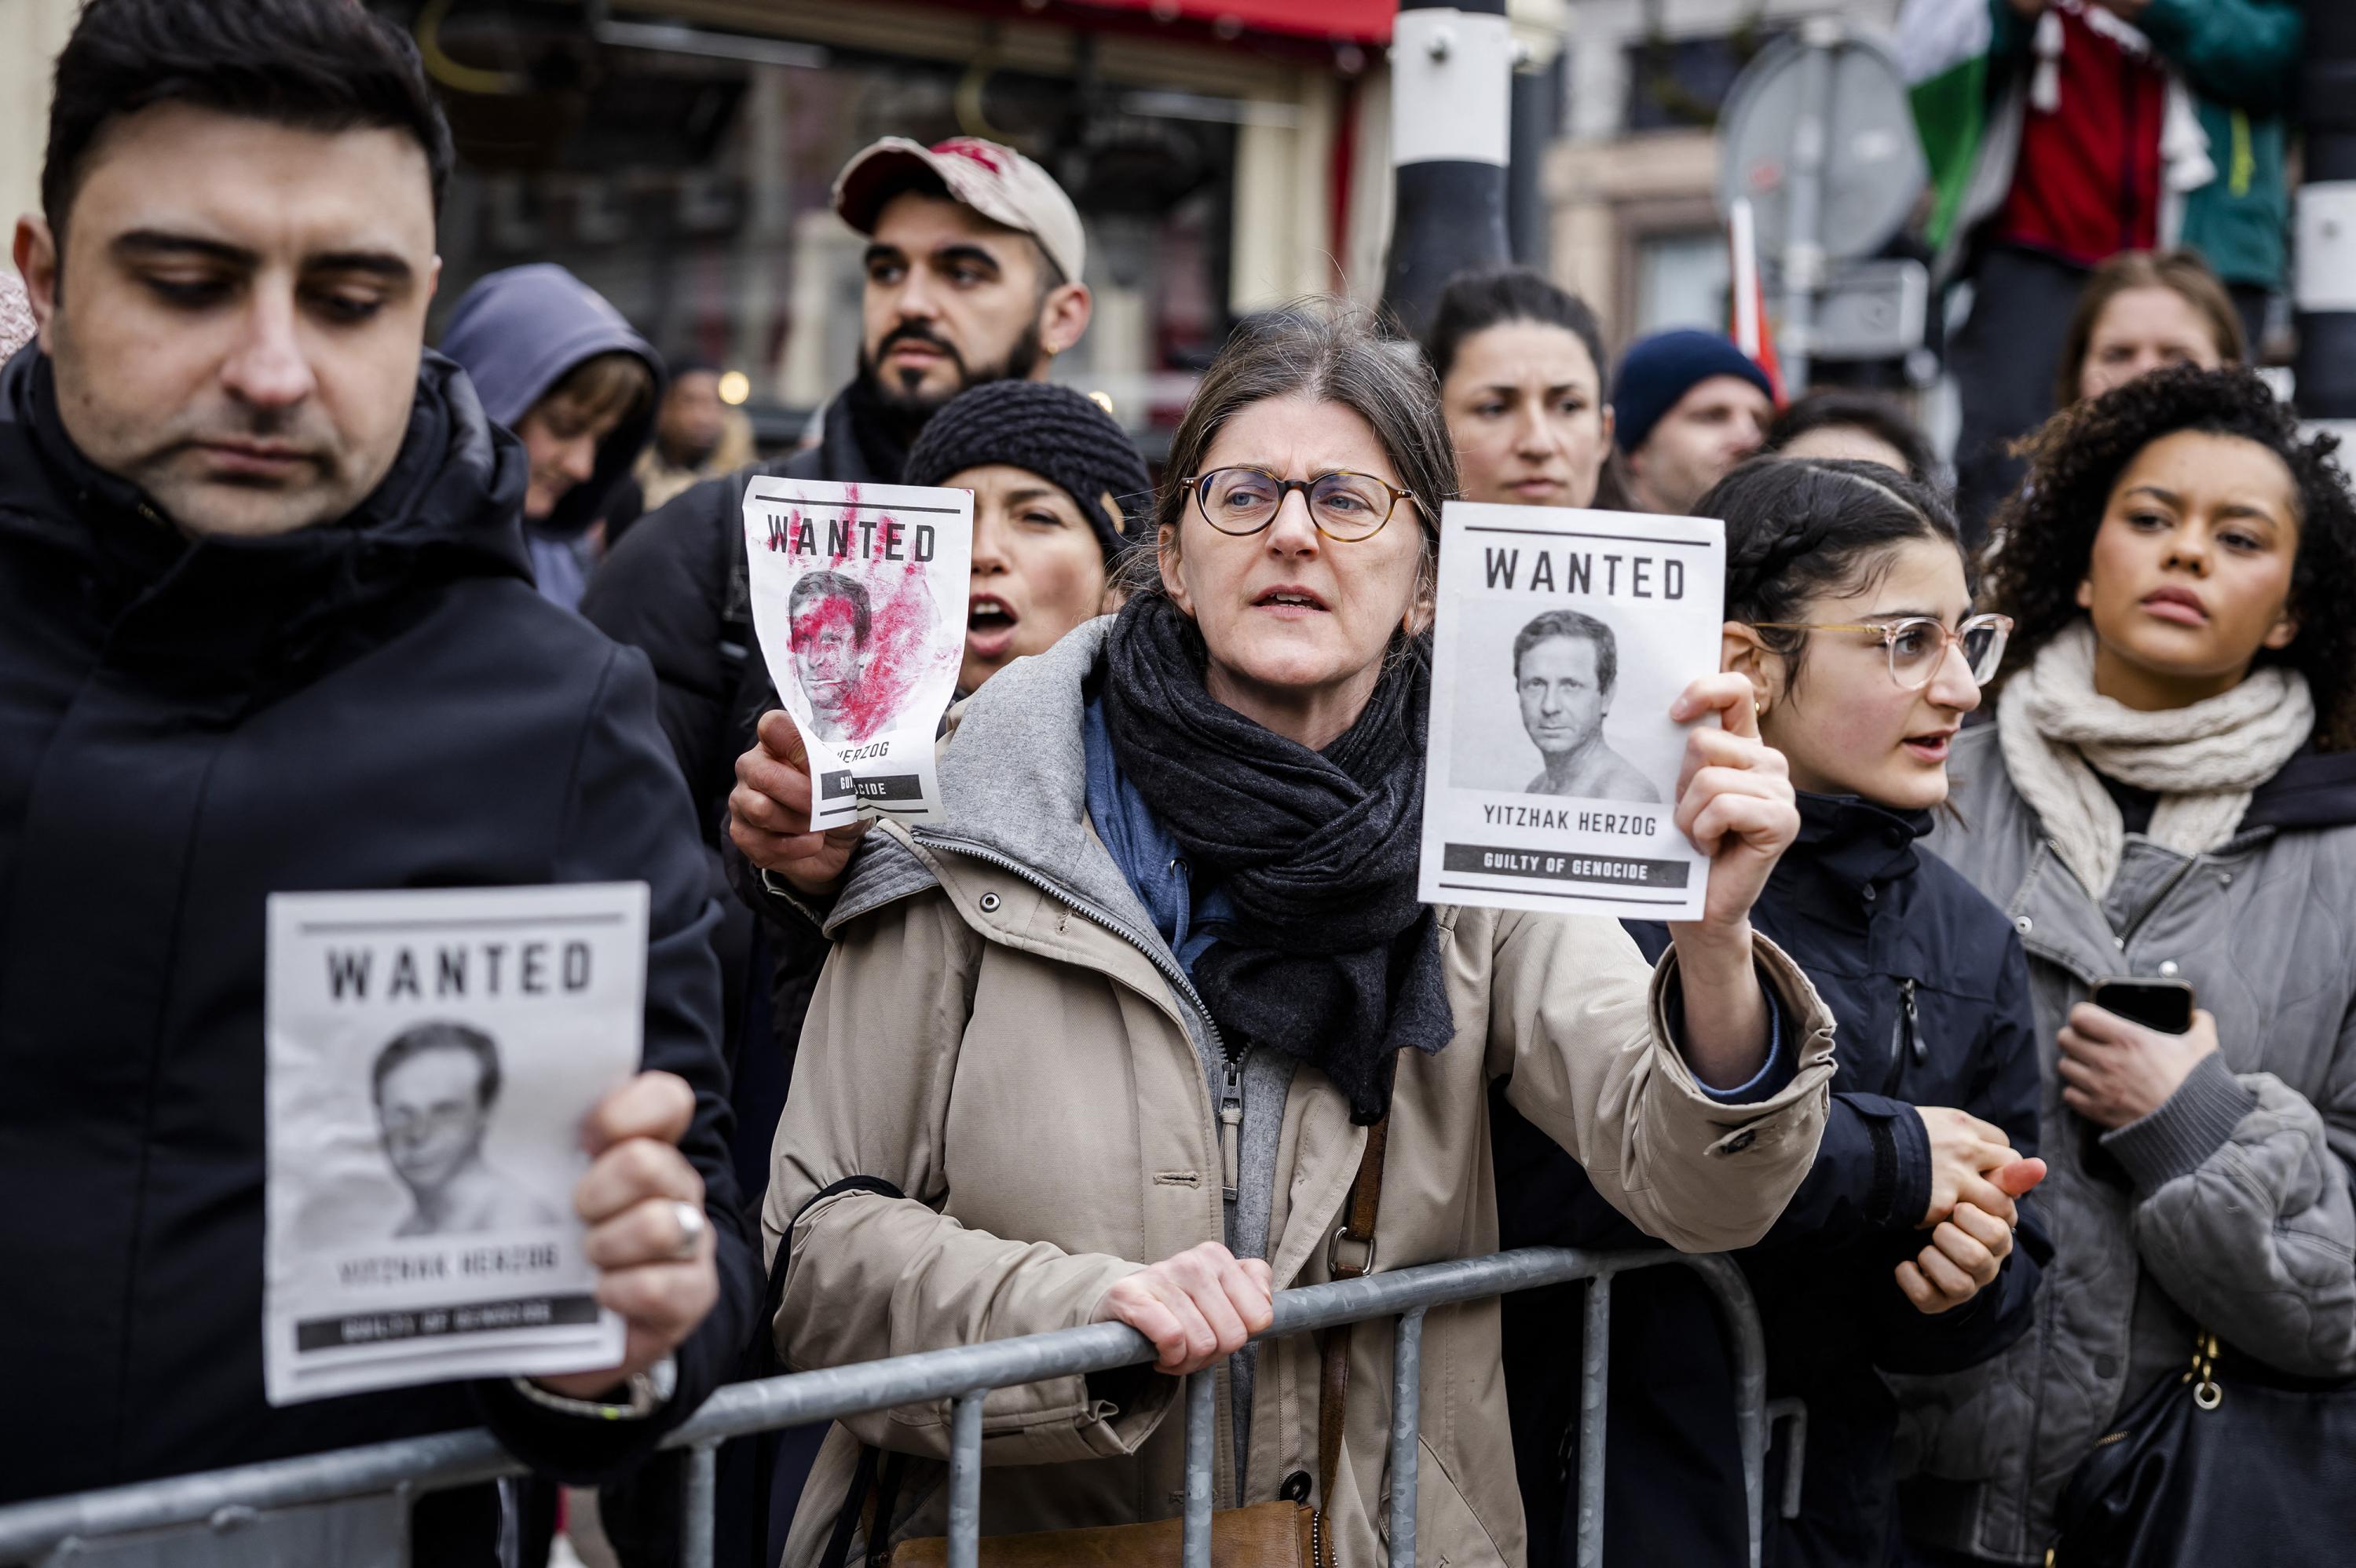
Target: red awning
<point>1354,21</point>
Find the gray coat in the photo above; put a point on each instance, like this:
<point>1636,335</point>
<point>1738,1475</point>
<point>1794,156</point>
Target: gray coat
<point>2228,1206</point>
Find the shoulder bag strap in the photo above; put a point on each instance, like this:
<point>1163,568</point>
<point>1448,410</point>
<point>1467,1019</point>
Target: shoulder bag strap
<point>1350,1255</point>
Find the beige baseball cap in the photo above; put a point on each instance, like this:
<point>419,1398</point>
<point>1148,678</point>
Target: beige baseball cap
<point>997,182</point>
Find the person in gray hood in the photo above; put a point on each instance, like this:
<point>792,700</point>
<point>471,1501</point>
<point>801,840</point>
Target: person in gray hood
<point>2169,793</point>
<point>556,364</point>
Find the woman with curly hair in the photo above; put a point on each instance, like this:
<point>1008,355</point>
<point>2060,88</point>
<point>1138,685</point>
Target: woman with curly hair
<point>2168,792</point>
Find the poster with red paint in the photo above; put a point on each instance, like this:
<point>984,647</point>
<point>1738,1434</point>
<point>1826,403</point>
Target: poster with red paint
<point>859,596</point>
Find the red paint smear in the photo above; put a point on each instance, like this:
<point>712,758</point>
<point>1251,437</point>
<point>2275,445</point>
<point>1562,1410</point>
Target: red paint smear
<point>901,626</point>
<point>902,619</point>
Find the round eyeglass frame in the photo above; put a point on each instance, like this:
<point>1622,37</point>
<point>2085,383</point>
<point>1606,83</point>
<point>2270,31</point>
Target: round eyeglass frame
<point>1200,487</point>
<point>1889,630</point>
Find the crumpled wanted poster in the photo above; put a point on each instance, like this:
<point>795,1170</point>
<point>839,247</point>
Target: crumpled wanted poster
<point>1562,638</point>
<point>858,595</point>
<point>430,1058</point>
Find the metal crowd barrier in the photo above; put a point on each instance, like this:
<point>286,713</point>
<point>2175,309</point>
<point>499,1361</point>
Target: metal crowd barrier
<point>350,1506</point>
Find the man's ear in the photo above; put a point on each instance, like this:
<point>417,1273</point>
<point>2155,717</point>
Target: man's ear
<point>1063,317</point>
<point>36,253</point>
<point>1741,651</point>
<point>1610,429</point>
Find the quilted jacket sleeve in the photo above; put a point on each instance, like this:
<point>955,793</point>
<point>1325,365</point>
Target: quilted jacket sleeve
<point>2243,1210</point>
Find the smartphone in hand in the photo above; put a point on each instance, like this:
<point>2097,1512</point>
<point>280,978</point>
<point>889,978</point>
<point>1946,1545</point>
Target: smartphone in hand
<point>2162,1005</point>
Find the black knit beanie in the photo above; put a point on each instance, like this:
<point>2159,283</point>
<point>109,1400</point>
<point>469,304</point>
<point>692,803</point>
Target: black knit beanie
<point>1053,431</point>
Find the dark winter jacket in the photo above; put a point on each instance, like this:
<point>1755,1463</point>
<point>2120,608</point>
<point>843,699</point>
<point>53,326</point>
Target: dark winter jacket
<point>517,333</point>
<point>186,727</point>
<point>1931,991</point>
<point>676,589</point>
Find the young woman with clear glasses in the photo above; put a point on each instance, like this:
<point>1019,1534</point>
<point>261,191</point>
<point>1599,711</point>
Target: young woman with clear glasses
<point>1848,618</point>
<point>1119,1038</point>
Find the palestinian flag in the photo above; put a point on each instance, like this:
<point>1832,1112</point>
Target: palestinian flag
<point>1943,50</point>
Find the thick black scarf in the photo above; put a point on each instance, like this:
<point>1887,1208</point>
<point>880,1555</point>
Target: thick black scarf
<point>1332,959</point>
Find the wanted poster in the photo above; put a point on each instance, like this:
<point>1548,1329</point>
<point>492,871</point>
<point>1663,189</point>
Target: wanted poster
<point>1561,639</point>
<point>858,595</point>
<point>430,1059</point>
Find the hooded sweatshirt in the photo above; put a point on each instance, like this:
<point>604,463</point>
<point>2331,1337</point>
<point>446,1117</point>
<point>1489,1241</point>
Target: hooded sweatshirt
<point>517,333</point>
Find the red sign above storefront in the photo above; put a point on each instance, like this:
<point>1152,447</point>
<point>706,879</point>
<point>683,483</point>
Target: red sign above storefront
<point>1354,21</point>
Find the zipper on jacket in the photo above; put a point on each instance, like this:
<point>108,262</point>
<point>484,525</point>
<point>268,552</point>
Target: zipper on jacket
<point>1905,1036</point>
<point>1230,1113</point>
<point>1231,1123</point>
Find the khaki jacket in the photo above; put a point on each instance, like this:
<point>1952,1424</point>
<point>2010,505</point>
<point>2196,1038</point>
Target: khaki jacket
<point>1000,1110</point>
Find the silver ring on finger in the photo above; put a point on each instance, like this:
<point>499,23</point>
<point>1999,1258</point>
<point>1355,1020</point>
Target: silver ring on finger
<point>691,1226</point>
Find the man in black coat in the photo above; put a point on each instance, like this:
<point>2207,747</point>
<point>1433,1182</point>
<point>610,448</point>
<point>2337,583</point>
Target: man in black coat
<point>266,624</point>
<point>973,275</point>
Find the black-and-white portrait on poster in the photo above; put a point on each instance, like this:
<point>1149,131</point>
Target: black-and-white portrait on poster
<point>436,1086</point>
<point>1564,671</point>
<point>430,1056</point>
<point>1561,639</point>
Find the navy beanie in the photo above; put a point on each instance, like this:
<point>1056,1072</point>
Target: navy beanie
<point>1657,371</point>
<point>1054,431</point>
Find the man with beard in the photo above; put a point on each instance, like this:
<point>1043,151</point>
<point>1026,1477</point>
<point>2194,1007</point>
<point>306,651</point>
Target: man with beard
<point>973,267</point>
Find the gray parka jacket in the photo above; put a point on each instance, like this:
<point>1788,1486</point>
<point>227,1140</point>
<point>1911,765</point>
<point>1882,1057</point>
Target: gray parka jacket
<point>2229,1206</point>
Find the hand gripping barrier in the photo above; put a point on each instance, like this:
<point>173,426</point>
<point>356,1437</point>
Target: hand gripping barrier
<point>282,1511</point>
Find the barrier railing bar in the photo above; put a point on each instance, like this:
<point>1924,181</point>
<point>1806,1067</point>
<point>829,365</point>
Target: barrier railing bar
<point>1794,1414</point>
<point>1738,1320</point>
<point>1594,1406</point>
<point>1201,1451</point>
<point>965,1479</point>
<point>460,1458</point>
<point>701,1502</point>
<point>1406,1423</point>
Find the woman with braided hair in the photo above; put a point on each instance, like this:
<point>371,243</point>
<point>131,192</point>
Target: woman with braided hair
<point>1848,619</point>
<point>2169,793</point>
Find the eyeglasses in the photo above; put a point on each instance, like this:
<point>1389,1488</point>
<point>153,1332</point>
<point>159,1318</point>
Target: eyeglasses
<point>1917,645</point>
<point>1344,507</point>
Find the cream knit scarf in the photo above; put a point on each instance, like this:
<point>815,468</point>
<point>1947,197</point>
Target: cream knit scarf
<point>2203,759</point>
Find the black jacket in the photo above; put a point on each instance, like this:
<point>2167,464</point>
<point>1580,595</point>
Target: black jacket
<point>1929,985</point>
<point>676,589</point>
<point>186,728</point>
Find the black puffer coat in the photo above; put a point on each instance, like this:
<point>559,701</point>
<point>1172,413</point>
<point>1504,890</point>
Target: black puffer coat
<point>1931,991</point>
<point>186,727</point>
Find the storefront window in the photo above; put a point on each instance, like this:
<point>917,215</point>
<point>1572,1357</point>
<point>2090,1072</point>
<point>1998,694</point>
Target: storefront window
<point>692,189</point>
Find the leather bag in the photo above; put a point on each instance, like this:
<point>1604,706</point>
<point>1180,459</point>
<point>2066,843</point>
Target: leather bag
<point>1265,1535</point>
<point>2253,1469</point>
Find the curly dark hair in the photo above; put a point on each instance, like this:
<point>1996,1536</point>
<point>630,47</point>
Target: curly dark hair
<point>2044,533</point>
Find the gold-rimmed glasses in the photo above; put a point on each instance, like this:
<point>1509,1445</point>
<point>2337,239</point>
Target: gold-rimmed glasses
<point>1342,505</point>
<point>1917,644</point>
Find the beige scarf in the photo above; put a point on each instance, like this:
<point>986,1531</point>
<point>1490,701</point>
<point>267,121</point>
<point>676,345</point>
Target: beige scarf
<point>2203,759</point>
